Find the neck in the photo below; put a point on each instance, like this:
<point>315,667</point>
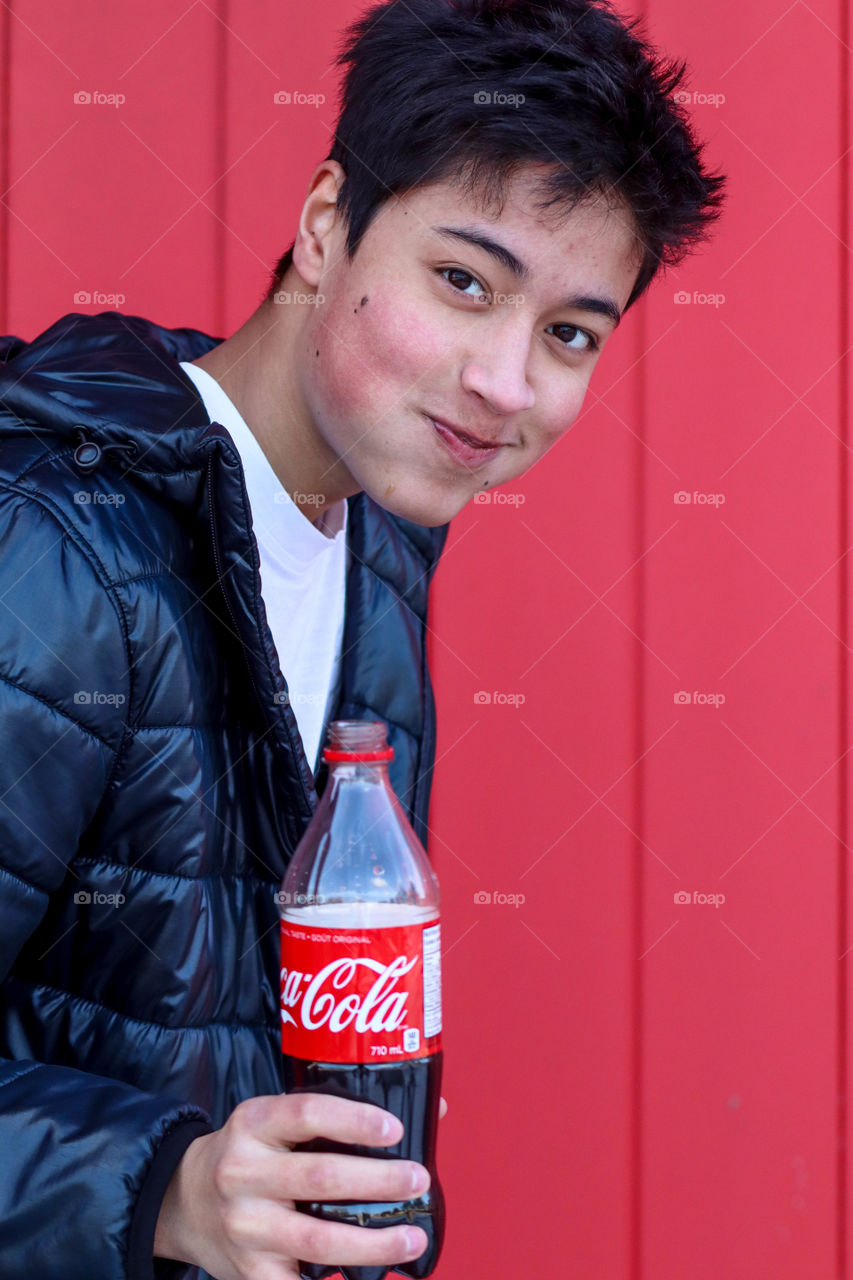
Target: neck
<point>257,369</point>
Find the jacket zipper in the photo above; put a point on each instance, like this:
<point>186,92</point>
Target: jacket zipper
<point>219,577</point>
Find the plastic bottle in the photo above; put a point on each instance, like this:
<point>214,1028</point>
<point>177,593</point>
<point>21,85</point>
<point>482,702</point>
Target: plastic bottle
<point>361,979</point>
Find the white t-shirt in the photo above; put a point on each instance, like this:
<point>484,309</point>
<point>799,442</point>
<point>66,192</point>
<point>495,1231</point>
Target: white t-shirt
<point>303,572</point>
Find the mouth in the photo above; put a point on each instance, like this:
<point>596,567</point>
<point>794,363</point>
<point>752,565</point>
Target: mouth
<point>464,448</point>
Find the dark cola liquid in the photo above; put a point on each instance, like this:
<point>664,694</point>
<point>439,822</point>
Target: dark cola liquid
<point>410,1090</point>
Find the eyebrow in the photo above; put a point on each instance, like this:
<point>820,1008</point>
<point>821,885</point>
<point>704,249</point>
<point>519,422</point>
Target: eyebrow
<point>602,306</point>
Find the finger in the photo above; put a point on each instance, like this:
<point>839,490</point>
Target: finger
<point>263,1226</point>
<point>442,1108</point>
<point>336,1244</point>
<point>300,1175</point>
<point>284,1119</point>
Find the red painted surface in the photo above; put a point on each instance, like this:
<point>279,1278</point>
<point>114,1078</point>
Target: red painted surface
<point>639,1089</point>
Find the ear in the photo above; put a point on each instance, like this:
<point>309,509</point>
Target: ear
<point>319,225</point>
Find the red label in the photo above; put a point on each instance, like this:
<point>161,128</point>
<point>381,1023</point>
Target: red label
<point>360,995</point>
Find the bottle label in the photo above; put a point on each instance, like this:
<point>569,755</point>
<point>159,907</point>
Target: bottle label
<point>360,995</point>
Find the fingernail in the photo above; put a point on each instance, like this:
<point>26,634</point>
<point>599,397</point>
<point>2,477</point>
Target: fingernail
<point>420,1180</point>
<point>391,1126</point>
<point>414,1243</point>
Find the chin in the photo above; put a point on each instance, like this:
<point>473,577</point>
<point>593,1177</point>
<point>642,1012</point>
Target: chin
<point>419,509</point>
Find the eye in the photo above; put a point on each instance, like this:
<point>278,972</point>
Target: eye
<point>457,271</point>
<point>591,340</point>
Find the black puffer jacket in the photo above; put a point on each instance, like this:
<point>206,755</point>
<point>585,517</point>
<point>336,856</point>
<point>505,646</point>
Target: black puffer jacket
<point>153,783</point>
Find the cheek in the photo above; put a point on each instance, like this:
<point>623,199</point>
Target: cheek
<point>558,415</point>
<point>375,357</point>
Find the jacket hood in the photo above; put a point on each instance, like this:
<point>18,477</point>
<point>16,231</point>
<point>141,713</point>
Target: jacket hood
<point>104,374</point>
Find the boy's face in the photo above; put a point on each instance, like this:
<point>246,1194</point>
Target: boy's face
<point>424,325</point>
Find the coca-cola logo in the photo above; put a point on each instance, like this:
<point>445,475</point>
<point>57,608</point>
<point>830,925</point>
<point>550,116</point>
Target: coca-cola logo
<point>380,1008</point>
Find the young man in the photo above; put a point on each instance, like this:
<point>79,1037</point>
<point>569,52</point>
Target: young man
<point>183,520</point>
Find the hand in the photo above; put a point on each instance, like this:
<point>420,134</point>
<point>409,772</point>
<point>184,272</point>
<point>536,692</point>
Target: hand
<point>230,1209</point>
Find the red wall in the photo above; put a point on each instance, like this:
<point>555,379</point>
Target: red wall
<point>637,1088</point>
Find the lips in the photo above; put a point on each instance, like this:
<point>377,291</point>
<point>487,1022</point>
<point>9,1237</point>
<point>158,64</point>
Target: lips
<point>464,449</point>
<point>477,441</point>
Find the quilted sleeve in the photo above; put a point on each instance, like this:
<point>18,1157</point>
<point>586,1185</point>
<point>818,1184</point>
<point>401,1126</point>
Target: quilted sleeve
<point>77,1149</point>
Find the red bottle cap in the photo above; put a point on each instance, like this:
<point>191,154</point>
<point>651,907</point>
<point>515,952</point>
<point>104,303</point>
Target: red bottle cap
<point>357,756</point>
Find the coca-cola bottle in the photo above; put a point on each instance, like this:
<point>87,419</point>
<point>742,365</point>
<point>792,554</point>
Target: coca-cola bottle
<point>361,979</point>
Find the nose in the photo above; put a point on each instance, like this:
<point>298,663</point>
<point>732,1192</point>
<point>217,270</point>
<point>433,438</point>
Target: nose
<point>499,373</point>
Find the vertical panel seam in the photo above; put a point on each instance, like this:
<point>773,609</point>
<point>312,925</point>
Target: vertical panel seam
<point>5,158</point>
<point>220,151</point>
<point>639,785</point>
<point>841,1146</point>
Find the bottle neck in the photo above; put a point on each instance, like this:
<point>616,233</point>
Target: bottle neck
<point>353,742</point>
